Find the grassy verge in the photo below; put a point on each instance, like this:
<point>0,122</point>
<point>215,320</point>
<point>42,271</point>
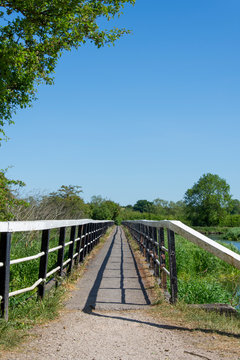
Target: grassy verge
<point>183,315</point>
<point>207,230</point>
<point>193,259</point>
<point>204,278</point>
<point>25,314</point>
<point>228,233</point>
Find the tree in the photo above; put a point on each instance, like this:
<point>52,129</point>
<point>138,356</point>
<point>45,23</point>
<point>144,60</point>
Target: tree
<point>8,198</point>
<point>143,206</point>
<point>65,203</point>
<point>103,209</point>
<point>235,207</point>
<point>33,35</point>
<point>208,201</point>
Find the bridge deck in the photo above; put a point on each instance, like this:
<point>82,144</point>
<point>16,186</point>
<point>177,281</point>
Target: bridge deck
<point>112,280</point>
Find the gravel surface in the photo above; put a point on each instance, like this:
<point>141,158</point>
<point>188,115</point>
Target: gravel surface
<point>125,332</point>
<point>121,335</point>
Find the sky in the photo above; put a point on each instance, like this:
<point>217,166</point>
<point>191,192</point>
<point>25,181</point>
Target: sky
<point>143,119</point>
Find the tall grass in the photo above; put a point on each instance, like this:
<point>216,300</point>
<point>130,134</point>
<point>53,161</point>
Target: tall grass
<point>25,274</point>
<point>204,278</point>
<point>25,309</point>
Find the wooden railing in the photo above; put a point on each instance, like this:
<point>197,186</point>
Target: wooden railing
<point>84,235</point>
<point>151,240</point>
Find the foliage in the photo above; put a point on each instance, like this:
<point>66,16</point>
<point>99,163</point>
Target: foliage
<point>33,35</point>
<point>235,207</point>
<point>25,311</point>
<point>233,234</point>
<point>231,220</point>
<point>103,209</point>
<point>207,230</point>
<point>143,206</point>
<point>126,214</point>
<point>67,202</point>
<point>24,274</point>
<point>202,291</point>
<point>208,201</point>
<point>169,208</point>
<point>8,199</point>
<point>204,278</point>
<point>24,317</point>
<point>157,210</point>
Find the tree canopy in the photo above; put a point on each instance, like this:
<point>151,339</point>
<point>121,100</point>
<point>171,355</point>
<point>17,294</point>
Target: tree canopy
<point>34,33</point>
<point>8,199</point>
<point>66,203</point>
<point>208,201</point>
<point>143,206</point>
<point>103,209</point>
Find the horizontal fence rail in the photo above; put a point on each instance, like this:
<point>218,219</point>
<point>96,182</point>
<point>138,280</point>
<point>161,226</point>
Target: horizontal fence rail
<point>84,235</point>
<point>151,240</point>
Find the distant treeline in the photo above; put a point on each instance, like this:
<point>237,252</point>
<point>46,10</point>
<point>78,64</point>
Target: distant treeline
<point>207,203</point>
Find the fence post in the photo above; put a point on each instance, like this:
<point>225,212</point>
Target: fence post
<point>162,256</point>
<point>5,246</point>
<point>87,239</point>
<point>43,262</point>
<point>91,237</point>
<point>155,253</point>
<point>84,241</point>
<point>172,266</point>
<point>95,234</point>
<point>61,251</point>
<point>78,247</point>
<point>147,243</point>
<point>151,261</point>
<point>71,248</point>
<point>141,239</point>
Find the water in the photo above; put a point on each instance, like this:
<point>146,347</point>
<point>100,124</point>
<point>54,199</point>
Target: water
<point>219,238</point>
<point>235,243</point>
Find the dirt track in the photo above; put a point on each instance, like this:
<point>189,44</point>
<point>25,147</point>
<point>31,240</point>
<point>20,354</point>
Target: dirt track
<point>116,327</point>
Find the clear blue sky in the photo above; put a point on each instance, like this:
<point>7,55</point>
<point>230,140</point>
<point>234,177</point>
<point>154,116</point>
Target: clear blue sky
<point>143,119</point>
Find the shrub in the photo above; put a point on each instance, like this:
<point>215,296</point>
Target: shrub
<point>233,234</point>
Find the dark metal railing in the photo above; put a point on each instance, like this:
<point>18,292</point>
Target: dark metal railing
<point>151,241</point>
<point>153,244</point>
<point>84,235</point>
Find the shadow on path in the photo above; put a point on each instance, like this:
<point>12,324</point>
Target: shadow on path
<point>167,327</point>
<point>92,297</point>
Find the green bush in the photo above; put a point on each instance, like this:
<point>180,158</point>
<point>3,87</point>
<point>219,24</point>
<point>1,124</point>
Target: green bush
<point>231,220</point>
<point>233,234</point>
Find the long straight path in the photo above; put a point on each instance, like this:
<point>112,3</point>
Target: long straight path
<point>112,280</point>
<point>112,283</point>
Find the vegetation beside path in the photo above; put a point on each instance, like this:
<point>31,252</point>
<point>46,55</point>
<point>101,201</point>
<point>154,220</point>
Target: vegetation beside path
<point>25,313</point>
<point>201,271</point>
<point>31,313</point>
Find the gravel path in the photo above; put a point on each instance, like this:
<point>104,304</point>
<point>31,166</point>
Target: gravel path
<point>107,318</point>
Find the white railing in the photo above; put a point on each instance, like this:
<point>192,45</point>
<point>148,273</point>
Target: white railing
<point>197,238</point>
<point>150,237</point>
<point>84,235</point>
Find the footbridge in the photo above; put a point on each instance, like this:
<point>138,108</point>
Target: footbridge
<point>112,280</point>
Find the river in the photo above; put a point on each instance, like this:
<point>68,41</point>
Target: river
<point>220,239</point>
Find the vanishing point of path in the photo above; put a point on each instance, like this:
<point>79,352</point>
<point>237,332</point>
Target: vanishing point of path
<point>107,318</point>
<point>112,281</point>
